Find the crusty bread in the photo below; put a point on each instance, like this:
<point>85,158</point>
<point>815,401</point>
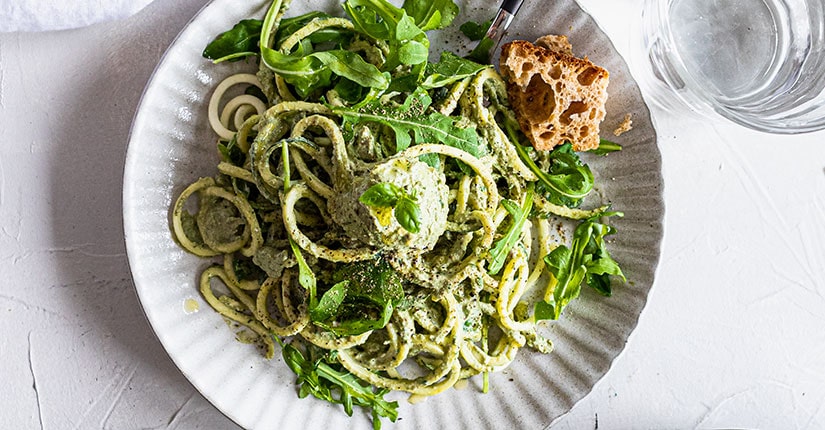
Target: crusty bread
<point>556,42</point>
<point>556,96</point>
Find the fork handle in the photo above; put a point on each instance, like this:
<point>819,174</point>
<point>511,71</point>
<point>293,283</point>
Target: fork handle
<point>511,6</point>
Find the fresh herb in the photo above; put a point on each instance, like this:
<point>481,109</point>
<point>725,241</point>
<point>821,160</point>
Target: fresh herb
<point>501,248</point>
<point>235,44</point>
<point>450,68</point>
<point>414,123</point>
<point>330,302</point>
<point>586,261</point>
<point>475,31</point>
<point>322,380</point>
<point>288,26</point>
<point>408,213</point>
<point>606,147</point>
<point>405,206</point>
<point>431,14</point>
<point>363,298</point>
<point>231,152</point>
<point>309,72</point>
<point>306,278</point>
<point>478,32</point>
<point>408,45</point>
<point>567,181</point>
<point>483,51</point>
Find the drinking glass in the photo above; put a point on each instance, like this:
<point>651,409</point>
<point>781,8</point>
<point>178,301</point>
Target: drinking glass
<point>759,63</point>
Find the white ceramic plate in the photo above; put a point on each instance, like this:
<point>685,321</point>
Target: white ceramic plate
<point>171,146</point>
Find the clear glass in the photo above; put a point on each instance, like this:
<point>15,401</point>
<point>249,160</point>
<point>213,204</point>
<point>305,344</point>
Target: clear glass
<point>760,63</point>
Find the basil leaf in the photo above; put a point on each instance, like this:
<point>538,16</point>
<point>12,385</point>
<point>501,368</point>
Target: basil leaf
<point>383,194</point>
<point>239,42</point>
<point>408,214</point>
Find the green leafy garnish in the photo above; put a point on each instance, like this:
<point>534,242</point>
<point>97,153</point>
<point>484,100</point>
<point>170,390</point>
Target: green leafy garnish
<point>308,72</point>
<point>568,180</point>
<point>362,299</point>
<point>239,42</point>
<point>431,14</point>
<point>321,379</point>
<point>413,123</point>
<point>586,261</point>
<point>408,45</point>
<point>288,26</point>
<point>475,31</point>
<point>450,68</point>
<point>482,52</point>
<point>306,277</point>
<point>606,147</point>
<point>405,206</point>
<point>478,32</point>
<point>501,248</point>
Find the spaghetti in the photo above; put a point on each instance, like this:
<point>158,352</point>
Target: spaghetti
<point>304,257</point>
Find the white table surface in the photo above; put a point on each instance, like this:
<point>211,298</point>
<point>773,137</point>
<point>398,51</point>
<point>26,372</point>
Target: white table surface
<point>732,335</point>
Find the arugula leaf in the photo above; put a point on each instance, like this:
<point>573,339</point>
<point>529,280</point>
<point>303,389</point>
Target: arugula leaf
<point>288,26</point>
<point>231,152</point>
<point>308,72</point>
<point>330,302</point>
<point>413,123</point>
<point>431,14</point>
<point>586,261</point>
<point>381,20</point>
<point>306,277</point>
<point>501,248</point>
<point>475,31</point>
<point>405,206</point>
<point>568,180</point>
<point>450,68</point>
<point>321,378</point>
<point>239,42</point>
<point>606,147</point>
<point>371,290</point>
<point>482,52</point>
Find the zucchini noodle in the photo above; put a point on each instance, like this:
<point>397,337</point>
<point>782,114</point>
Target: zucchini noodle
<point>285,212</point>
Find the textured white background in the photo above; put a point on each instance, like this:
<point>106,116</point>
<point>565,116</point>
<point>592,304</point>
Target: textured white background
<point>732,335</point>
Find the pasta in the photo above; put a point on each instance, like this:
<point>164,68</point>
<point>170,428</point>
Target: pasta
<point>427,284</point>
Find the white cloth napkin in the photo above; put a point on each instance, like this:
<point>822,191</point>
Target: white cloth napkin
<point>41,15</point>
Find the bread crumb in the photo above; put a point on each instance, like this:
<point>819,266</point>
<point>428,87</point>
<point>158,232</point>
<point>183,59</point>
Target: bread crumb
<point>625,126</point>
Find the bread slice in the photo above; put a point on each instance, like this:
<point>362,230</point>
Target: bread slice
<point>557,97</point>
<point>555,42</point>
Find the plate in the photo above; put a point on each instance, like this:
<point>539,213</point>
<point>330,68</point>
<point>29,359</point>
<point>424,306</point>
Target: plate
<point>171,145</point>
